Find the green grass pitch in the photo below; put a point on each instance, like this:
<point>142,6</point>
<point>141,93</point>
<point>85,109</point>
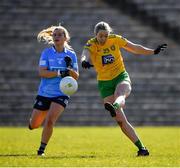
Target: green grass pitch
<point>89,147</point>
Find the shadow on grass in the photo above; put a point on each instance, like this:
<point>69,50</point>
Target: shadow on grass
<point>48,157</point>
<point>70,157</point>
<point>14,155</point>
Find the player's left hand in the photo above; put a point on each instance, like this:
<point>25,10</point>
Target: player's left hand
<point>160,48</point>
<point>68,61</point>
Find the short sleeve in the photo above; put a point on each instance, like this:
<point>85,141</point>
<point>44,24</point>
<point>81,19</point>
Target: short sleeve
<point>75,62</point>
<point>88,45</point>
<point>43,62</point>
<point>121,41</point>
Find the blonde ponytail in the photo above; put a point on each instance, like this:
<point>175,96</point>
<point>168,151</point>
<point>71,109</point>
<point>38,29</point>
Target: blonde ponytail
<point>46,36</point>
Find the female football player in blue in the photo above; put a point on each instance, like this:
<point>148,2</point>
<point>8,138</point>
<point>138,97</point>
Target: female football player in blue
<point>56,62</point>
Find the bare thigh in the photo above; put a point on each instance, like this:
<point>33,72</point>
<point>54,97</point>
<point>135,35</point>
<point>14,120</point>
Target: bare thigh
<point>53,114</point>
<point>109,99</point>
<point>123,89</point>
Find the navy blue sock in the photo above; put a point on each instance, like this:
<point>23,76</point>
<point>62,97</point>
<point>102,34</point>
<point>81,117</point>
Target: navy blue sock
<point>42,147</point>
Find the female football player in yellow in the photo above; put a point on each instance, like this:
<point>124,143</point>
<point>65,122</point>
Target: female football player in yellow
<point>114,84</point>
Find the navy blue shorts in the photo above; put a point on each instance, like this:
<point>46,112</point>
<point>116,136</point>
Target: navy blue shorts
<point>43,103</point>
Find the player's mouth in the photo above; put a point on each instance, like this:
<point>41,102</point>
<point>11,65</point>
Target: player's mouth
<point>56,40</point>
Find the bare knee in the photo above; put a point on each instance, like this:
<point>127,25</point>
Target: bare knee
<point>124,88</point>
<point>128,90</point>
<point>49,122</point>
<point>37,118</point>
<point>33,126</point>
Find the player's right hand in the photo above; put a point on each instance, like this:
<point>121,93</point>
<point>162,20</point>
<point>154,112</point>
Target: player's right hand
<point>64,73</point>
<point>86,65</point>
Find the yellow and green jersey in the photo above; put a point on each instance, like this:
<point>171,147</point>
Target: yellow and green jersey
<point>107,59</point>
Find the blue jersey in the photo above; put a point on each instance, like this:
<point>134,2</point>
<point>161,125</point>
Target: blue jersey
<point>53,60</point>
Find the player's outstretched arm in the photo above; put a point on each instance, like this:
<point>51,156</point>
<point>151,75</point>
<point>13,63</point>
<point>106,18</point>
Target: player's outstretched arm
<point>160,48</point>
<point>139,49</point>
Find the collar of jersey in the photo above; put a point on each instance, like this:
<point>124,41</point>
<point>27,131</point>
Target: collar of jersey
<point>54,50</point>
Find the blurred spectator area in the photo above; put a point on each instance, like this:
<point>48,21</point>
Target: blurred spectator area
<point>155,79</point>
<point>162,15</point>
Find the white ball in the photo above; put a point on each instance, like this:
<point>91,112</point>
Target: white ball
<point>68,85</point>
